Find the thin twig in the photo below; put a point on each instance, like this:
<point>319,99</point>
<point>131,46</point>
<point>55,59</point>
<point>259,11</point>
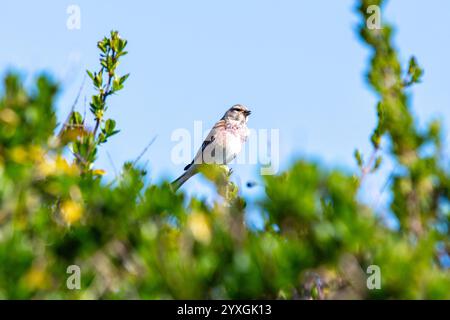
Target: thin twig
<point>84,112</point>
<point>79,158</point>
<point>106,93</point>
<point>112,164</point>
<point>72,109</point>
<point>391,175</point>
<point>366,169</point>
<point>145,150</point>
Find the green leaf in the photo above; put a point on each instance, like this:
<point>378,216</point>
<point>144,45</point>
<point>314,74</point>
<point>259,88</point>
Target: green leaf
<point>377,164</point>
<point>117,85</point>
<point>102,46</point>
<point>96,104</point>
<point>124,78</point>
<point>376,138</point>
<point>98,81</point>
<point>90,75</point>
<point>101,138</point>
<point>122,53</point>
<point>414,71</point>
<point>76,118</point>
<point>109,127</point>
<point>122,45</point>
<point>359,158</point>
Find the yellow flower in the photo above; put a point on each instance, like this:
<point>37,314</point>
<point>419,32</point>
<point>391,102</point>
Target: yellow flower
<point>18,154</point>
<point>36,153</point>
<point>63,167</point>
<point>71,211</point>
<point>8,116</point>
<point>199,226</point>
<point>99,172</point>
<point>57,166</point>
<point>45,167</point>
<point>36,278</point>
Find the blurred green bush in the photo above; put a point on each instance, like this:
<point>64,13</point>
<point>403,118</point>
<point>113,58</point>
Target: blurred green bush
<point>134,240</point>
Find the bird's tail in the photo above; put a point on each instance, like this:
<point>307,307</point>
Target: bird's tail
<point>177,183</point>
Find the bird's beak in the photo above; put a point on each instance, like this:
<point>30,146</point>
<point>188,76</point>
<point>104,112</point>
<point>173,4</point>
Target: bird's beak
<point>247,113</point>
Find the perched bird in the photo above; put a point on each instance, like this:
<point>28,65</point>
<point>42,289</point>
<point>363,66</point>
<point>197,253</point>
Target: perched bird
<point>223,143</point>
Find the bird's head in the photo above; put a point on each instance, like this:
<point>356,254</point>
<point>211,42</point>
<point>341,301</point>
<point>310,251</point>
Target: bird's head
<point>238,113</point>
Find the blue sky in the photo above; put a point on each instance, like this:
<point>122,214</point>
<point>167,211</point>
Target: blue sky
<point>297,64</point>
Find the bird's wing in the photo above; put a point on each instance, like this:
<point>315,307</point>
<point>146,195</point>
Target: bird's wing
<point>209,139</point>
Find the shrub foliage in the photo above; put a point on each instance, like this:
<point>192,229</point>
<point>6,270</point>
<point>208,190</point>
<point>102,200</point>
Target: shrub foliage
<point>132,239</point>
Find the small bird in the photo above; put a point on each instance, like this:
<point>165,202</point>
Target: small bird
<point>223,143</point>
